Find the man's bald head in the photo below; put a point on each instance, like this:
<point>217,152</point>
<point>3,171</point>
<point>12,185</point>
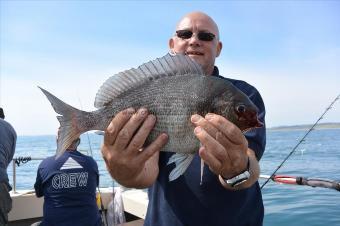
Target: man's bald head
<point>199,16</point>
<point>197,36</point>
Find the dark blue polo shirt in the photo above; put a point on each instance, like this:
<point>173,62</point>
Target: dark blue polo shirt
<point>184,202</point>
<point>68,185</point>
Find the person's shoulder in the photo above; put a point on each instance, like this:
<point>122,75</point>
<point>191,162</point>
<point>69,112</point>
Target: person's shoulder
<point>49,158</point>
<point>6,125</point>
<point>4,122</point>
<point>80,154</point>
<point>242,85</point>
<point>87,157</point>
<point>93,162</point>
<point>47,161</point>
<point>248,89</point>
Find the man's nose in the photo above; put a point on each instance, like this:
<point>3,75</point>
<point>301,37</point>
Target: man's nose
<point>194,41</point>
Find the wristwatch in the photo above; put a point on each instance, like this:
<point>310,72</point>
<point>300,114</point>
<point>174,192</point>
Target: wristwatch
<point>239,179</point>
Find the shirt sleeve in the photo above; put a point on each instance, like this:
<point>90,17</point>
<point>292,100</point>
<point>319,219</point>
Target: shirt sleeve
<point>38,185</point>
<point>95,168</point>
<point>97,172</point>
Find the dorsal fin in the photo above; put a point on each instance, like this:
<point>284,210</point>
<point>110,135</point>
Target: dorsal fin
<point>168,65</point>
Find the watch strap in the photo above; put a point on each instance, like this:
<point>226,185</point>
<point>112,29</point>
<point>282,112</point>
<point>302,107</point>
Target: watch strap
<point>238,179</point>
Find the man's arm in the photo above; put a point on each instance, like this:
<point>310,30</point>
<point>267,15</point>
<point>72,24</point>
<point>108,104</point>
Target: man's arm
<point>225,149</point>
<point>38,185</point>
<point>128,162</point>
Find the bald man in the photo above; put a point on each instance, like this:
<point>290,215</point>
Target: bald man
<point>229,193</point>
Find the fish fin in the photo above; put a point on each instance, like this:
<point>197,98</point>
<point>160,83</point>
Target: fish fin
<point>202,170</point>
<point>168,65</point>
<point>182,162</point>
<point>70,122</point>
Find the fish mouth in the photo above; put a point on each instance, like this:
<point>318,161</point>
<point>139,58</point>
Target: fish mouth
<point>247,130</point>
<point>253,121</point>
<point>194,53</point>
<point>250,121</point>
<point>251,126</point>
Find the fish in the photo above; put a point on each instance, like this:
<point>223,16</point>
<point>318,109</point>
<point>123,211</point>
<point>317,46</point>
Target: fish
<point>173,88</point>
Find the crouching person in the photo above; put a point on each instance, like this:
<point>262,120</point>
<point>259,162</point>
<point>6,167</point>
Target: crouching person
<point>68,184</point>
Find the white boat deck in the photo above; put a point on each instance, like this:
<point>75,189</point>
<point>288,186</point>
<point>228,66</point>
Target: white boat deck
<point>135,202</point>
<point>27,206</point>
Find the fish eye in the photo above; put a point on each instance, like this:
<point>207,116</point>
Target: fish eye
<point>241,108</point>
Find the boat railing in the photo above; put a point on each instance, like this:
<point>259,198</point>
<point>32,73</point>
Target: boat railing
<point>135,201</point>
<point>16,162</point>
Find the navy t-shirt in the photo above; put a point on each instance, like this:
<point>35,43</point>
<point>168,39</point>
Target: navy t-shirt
<point>186,202</point>
<point>68,185</point>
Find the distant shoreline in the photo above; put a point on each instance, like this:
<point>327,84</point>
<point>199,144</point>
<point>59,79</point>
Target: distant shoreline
<point>327,125</point>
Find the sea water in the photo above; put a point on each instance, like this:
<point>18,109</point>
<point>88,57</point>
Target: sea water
<point>293,205</point>
<point>317,157</point>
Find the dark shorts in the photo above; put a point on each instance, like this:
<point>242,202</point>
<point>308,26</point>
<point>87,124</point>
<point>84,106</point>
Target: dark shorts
<point>5,204</point>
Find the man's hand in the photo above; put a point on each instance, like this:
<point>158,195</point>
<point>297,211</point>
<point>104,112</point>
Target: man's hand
<point>128,162</point>
<point>224,147</point>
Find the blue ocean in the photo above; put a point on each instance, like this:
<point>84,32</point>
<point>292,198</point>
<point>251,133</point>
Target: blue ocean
<point>317,157</point>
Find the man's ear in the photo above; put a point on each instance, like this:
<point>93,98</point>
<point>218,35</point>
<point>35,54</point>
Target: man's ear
<point>171,43</point>
<point>218,48</point>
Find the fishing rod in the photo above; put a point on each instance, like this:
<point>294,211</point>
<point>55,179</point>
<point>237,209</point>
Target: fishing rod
<point>272,176</point>
<point>298,180</point>
<point>99,192</point>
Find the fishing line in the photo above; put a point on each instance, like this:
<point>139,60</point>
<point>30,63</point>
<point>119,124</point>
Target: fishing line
<point>100,195</point>
<point>300,141</point>
<point>87,133</point>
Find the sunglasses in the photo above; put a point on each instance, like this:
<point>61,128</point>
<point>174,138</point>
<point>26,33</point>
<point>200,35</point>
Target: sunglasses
<point>202,35</point>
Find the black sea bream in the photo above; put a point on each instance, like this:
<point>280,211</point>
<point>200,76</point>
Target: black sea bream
<point>172,88</point>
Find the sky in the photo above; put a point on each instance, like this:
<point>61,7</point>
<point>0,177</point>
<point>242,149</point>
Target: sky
<point>289,50</point>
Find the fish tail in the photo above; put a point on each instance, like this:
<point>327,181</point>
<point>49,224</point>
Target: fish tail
<point>73,122</point>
